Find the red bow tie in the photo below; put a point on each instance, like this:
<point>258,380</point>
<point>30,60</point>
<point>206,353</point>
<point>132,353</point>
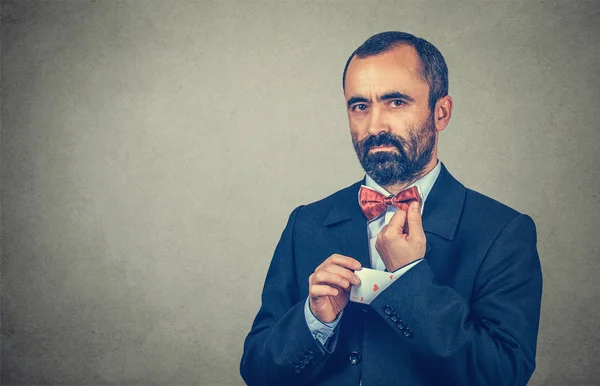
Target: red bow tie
<point>373,203</point>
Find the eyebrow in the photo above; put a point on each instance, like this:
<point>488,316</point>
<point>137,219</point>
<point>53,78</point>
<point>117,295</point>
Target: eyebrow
<point>395,95</point>
<point>385,97</point>
<point>356,99</point>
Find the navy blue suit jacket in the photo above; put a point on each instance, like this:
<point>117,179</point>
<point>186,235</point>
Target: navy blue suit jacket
<point>466,315</point>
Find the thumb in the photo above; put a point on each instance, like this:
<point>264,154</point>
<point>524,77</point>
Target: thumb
<point>414,223</point>
<point>397,221</point>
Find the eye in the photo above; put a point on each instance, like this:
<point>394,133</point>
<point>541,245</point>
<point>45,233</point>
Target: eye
<point>359,107</point>
<point>398,103</point>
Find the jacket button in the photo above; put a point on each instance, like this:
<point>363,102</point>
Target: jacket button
<point>297,369</point>
<point>311,355</point>
<point>355,358</point>
<point>394,317</point>
<point>388,310</point>
<point>401,325</point>
<point>408,333</point>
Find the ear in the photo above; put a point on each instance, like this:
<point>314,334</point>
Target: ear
<point>442,112</point>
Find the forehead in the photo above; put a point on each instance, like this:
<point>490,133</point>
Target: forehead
<point>395,70</point>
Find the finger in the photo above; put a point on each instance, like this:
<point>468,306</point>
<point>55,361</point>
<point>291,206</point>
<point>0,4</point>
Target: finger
<point>343,272</point>
<point>317,291</point>
<point>328,278</point>
<point>397,221</point>
<point>342,261</point>
<point>414,222</point>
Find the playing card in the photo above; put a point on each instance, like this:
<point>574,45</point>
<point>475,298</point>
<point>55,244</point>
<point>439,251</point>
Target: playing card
<point>372,282</point>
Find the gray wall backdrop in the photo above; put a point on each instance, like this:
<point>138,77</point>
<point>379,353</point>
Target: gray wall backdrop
<point>139,138</point>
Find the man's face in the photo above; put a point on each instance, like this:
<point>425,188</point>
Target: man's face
<point>392,127</point>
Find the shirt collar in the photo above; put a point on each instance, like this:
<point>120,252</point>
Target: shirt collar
<point>424,183</point>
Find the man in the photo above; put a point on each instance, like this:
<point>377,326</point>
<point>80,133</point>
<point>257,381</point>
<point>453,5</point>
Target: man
<point>464,305</point>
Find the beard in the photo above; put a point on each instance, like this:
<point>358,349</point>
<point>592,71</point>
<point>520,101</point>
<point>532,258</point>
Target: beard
<point>403,166</point>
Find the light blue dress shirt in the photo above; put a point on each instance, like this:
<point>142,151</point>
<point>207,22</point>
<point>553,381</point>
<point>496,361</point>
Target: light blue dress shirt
<point>323,331</point>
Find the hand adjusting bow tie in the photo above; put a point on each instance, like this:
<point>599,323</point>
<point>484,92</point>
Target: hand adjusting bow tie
<point>373,203</point>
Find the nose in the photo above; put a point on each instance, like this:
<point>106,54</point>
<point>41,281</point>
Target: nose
<point>377,124</point>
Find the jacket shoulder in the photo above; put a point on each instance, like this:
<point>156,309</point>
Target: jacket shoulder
<point>487,205</point>
<point>489,215</point>
<point>317,211</point>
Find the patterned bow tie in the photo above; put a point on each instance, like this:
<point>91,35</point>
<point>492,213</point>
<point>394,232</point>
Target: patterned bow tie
<point>373,203</point>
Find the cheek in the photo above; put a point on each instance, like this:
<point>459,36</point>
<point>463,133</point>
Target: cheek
<point>412,116</point>
<point>358,128</point>
<point>357,135</point>
<point>400,121</point>
<point>403,127</point>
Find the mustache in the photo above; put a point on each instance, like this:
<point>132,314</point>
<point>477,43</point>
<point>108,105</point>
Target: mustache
<point>384,139</point>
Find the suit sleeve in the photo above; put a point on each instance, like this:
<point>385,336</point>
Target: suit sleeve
<point>280,349</point>
<point>489,339</point>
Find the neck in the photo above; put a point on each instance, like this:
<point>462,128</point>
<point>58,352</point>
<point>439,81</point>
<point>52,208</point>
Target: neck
<point>400,186</point>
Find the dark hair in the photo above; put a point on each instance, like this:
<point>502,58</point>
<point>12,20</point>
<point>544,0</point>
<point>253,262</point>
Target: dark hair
<point>433,66</point>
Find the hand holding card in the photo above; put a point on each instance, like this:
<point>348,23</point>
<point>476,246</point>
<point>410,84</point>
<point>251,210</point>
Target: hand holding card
<point>372,283</point>
<point>329,285</point>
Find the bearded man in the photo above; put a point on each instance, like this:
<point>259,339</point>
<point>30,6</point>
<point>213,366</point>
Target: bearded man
<point>462,303</point>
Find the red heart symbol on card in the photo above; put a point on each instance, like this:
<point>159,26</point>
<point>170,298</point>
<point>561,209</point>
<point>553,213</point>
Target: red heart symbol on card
<point>375,288</point>
<point>362,299</point>
<point>391,277</point>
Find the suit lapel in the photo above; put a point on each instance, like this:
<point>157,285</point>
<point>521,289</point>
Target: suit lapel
<point>348,225</point>
<point>444,206</point>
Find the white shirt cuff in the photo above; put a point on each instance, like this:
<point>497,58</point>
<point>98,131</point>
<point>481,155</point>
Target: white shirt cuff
<point>321,331</point>
<point>402,270</point>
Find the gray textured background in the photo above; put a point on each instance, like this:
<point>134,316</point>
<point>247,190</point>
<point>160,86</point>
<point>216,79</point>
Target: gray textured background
<point>138,138</point>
